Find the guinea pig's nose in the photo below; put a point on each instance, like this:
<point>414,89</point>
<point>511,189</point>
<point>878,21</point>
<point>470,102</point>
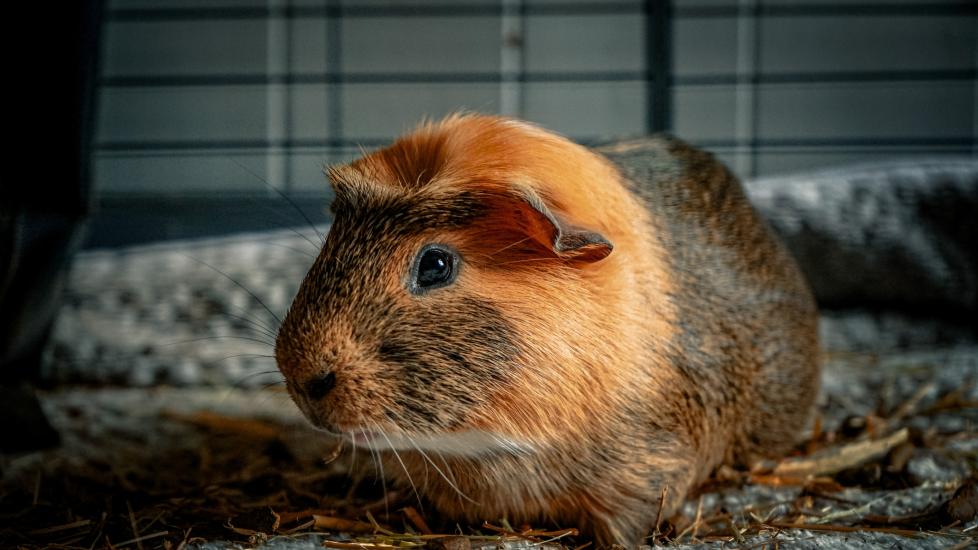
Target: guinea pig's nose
<point>318,387</point>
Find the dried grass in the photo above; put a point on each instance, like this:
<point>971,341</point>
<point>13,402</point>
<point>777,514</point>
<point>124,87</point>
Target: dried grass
<point>229,478</point>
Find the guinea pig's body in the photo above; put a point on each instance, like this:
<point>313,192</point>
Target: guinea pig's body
<point>528,329</point>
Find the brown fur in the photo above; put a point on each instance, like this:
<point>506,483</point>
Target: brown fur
<point>626,318</point>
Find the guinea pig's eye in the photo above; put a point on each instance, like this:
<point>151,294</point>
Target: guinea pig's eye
<point>436,266</point>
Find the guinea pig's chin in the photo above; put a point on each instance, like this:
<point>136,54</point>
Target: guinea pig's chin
<point>318,420</point>
<point>466,443</point>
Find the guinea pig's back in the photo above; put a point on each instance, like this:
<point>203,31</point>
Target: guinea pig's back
<point>748,335</point>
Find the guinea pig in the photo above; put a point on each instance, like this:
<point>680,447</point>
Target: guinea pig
<point>525,328</point>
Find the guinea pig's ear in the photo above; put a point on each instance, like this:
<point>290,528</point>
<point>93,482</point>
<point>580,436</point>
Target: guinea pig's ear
<point>533,218</point>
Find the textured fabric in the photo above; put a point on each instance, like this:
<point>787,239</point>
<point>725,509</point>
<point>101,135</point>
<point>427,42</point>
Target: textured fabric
<point>898,236</point>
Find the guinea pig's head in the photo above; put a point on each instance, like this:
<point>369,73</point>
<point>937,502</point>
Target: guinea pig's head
<point>448,307</point>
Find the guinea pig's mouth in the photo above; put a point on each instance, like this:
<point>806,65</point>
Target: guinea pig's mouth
<point>466,443</point>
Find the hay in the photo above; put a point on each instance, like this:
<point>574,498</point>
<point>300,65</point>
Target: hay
<point>169,468</point>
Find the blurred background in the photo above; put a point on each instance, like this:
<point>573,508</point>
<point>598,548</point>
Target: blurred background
<point>198,103</point>
<point>854,125</point>
<point>191,174</point>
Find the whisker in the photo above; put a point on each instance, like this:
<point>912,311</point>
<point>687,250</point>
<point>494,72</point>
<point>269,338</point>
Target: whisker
<point>403,466</point>
<point>252,355</point>
<point>242,314</point>
<point>443,476</point>
<point>508,246</point>
<point>292,248</point>
<point>246,315</point>
<point>304,237</point>
<point>444,462</point>
<point>202,338</point>
<point>239,382</point>
<point>228,277</point>
<point>379,465</point>
<point>270,385</point>
<point>255,324</point>
<point>399,420</point>
<point>373,455</point>
<point>353,461</point>
<point>383,484</point>
<point>281,194</point>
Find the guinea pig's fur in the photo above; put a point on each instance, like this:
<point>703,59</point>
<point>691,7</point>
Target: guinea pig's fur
<point>621,323</point>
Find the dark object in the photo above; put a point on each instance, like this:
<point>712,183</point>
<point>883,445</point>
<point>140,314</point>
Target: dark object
<point>853,426</point>
<point>26,427</point>
<point>963,506</point>
<point>960,509</point>
<point>263,520</point>
<point>41,213</point>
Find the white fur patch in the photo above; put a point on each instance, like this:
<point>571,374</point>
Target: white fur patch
<point>469,443</point>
